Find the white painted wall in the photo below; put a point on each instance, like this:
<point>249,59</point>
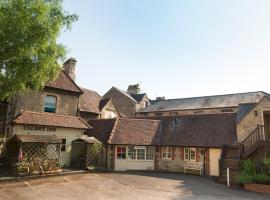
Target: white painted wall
<point>214,156</point>
<point>69,133</point>
<point>128,164</point>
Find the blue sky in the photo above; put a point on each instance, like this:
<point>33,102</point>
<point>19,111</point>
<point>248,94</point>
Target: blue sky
<point>174,48</point>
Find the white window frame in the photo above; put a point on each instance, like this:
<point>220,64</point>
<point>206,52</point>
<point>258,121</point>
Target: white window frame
<point>146,154</point>
<point>188,153</point>
<point>166,151</point>
<point>55,97</point>
<point>116,157</point>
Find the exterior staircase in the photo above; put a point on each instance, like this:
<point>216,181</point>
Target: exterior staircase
<point>256,147</point>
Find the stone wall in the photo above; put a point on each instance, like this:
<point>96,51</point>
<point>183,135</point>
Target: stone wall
<point>177,163</point>
<point>254,118</point>
<point>107,109</point>
<point>67,102</point>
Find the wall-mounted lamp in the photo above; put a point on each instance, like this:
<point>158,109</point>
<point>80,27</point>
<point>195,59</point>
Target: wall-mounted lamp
<point>256,113</point>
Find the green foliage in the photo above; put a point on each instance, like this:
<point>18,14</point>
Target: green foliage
<point>249,173</point>
<point>266,163</point>
<point>29,52</point>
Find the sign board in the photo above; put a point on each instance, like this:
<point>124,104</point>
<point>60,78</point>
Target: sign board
<point>39,128</point>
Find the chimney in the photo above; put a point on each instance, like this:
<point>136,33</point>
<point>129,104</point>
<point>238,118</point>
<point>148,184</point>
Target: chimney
<point>134,89</point>
<point>160,98</point>
<point>69,67</point>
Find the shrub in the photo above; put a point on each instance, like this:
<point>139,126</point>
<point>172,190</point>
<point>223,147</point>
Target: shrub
<point>252,174</point>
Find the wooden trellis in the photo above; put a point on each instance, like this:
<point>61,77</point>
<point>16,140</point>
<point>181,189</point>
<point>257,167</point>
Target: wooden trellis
<point>86,153</point>
<point>32,154</point>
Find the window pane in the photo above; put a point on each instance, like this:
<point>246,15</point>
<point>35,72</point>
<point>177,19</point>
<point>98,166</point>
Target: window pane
<point>121,153</point>
<point>140,154</point>
<point>63,145</point>
<point>131,153</point>
<point>150,152</point>
<point>186,153</point>
<point>192,154</point>
<point>50,104</point>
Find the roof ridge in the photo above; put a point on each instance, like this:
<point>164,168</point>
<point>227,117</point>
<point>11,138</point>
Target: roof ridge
<point>139,119</point>
<point>265,93</point>
<point>125,93</point>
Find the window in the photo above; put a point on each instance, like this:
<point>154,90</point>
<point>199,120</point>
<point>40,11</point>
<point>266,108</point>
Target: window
<point>167,152</point>
<point>227,110</point>
<point>63,144</point>
<point>141,153</point>
<point>111,114</point>
<point>121,153</point>
<point>50,104</point>
<point>190,154</point>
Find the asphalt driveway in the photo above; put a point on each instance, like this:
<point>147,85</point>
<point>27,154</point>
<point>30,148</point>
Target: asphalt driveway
<point>123,186</point>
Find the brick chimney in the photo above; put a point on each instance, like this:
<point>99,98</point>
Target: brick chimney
<point>134,89</point>
<point>69,67</point>
<point>160,98</point>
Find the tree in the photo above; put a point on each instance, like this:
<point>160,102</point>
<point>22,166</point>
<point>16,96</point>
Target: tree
<point>29,52</point>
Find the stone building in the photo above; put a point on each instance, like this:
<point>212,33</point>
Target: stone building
<point>249,112</point>
<point>93,106</point>
<point>52,111</point>
<point>128,103</point>
<point>178,144</point>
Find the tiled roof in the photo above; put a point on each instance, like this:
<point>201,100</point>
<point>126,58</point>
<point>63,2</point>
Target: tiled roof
<point>89,101</point>
<point>213,130</point>
<point>64,82</point>
<point>126,131</point>
<point>136,132</point>
<point>49,119</point>
<point>138,97</point>
<point>103,103</point>
<point>124,103</point>
<point>102,129</point>
<point>218,101</point>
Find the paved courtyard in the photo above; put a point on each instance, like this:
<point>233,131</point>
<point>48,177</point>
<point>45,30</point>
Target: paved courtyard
<point>123,186</point>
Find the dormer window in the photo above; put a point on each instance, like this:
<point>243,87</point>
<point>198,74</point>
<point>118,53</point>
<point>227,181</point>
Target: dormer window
<point>50,104</point>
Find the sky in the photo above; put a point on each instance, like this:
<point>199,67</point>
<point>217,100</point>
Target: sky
<point>173,48</point>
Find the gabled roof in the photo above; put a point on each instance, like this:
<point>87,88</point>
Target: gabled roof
<point>102,129</point>
<point>138,97</point>
<point>89,101</point>
<point>124,103</point>
<point>213,130</point>
<point>217,101</point>
<point>104,102</point>
<point>126,131</point>
<point>49,119</point>
<point>64,82</point>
